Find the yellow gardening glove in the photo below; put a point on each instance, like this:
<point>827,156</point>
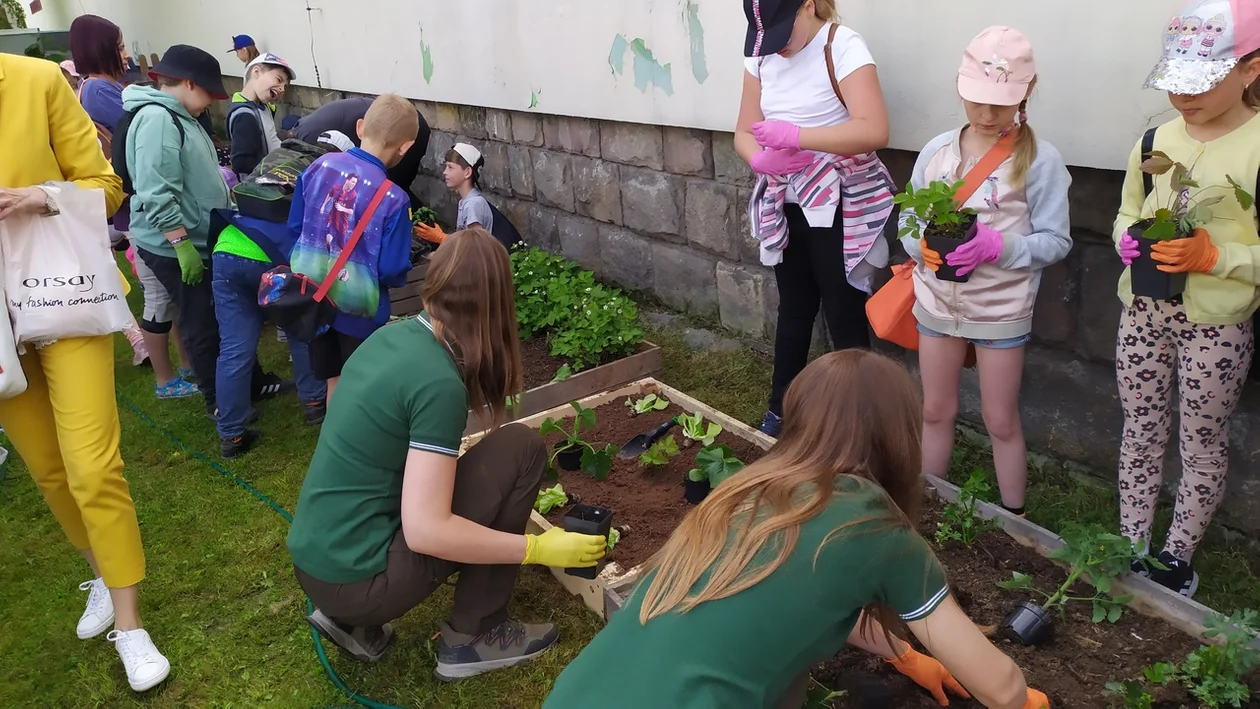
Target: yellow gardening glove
<point>558,548</point>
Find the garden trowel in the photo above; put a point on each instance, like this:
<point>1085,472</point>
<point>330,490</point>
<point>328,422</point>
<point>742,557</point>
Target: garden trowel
<point>642,442</point>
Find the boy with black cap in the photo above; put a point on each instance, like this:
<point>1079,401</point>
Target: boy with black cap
<point>174,170</point>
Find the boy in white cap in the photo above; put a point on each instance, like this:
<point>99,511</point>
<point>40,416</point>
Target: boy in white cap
<point>252,116</point>
<point>462,174</point>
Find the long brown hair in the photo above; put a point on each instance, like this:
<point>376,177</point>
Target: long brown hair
<point>850,413</point>
<point>471,303</point>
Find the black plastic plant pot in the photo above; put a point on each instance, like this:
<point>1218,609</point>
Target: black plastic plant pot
<point>1029,623</point>
<point>587,519</point>
<point>695,492</point>
<point>569,459</point>
<point>1148,280</point>
<point>945,245</point>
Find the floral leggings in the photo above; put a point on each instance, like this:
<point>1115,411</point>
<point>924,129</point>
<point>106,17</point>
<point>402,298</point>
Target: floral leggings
<point>1156,339</point>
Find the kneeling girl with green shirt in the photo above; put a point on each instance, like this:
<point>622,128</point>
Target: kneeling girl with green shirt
<point>389,510</point>
<point>809,548</point>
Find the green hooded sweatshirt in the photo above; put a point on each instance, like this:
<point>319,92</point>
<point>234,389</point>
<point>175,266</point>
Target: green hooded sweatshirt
<point>175,186</point>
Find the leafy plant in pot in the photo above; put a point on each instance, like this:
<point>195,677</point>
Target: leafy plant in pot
<point>934,216</point>
<point>714,463</point>
<point>1091,554</point>
<point>1177,215</point>
<point>574,453</point>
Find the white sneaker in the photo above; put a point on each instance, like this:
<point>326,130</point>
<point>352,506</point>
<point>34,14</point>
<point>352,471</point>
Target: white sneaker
<point>146,667</point>
<point>99,614</point>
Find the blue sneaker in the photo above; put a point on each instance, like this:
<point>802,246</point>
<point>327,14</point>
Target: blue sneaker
<point>177,388</point>
<point>771,424</point>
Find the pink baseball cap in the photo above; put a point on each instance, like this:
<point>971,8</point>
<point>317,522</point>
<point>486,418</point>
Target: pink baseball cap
<point>68,66</point>
<point>997,68</point>
<point>1203,43</point>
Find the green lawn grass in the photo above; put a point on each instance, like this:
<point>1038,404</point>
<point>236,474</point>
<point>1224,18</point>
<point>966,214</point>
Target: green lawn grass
<point>221,601</point>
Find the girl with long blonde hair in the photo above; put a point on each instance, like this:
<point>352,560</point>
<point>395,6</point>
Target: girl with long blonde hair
<point>807,549</point>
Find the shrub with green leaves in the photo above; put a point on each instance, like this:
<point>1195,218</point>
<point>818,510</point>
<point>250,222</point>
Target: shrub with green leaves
<point>715,463</point>
<point>596,462</point>
<point>932,207</point>
<point>1182,211</point>
<point>585,321</point>
<point>959,520</point>
<point>1091,553</point>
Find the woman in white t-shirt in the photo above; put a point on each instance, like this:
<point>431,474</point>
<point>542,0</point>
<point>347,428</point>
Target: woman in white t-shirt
<point>811,117</point>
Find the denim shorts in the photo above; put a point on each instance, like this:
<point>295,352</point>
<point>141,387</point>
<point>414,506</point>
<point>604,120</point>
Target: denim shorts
<point>1004,343</point>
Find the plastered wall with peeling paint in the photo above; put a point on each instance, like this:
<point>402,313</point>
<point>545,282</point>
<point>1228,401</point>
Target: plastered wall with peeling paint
<point>673,62</point>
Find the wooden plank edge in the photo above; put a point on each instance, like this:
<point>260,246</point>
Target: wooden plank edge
<point>1149,598</point>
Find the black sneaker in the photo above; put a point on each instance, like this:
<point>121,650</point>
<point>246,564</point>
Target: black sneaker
<point>273,385</point>
<point>233,447</point>
<point>506,645</point>
<point>315,411</point>
<point>1141,568</point>
<point>1179,575</point>
<point>771,424</point>
<point>365,644</point>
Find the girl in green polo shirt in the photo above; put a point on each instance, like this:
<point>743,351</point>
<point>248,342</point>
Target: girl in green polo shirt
<point>807,549</point>
<point>389,509</point>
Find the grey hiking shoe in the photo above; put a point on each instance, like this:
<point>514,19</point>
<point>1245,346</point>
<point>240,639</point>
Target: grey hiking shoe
<point>367,644</point>
<point>505,645</point>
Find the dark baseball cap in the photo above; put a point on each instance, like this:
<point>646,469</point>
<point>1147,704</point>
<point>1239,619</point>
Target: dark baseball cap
<point>198,66</point>
<point>769,25</point>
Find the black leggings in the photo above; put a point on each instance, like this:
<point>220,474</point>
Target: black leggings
<point>812,272</point>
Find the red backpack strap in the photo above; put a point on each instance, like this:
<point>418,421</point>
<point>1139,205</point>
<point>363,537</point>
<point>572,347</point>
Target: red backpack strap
<point>361,225</point>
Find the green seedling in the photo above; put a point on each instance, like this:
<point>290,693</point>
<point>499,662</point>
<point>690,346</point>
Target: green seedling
<point>933,208</point>
<point>695,430</point>
<point>715,463</point>
<point>1132,692</point>
<point>959,520</point>
<point>563,373</point>
<point>1181,211</point>
<point>660,452</point>
<point>651,402</point>
<point>614,536</point>
<point>424,216</point>
<point>550,499</point>
<point>1091,554</point>
<point>596,462</point>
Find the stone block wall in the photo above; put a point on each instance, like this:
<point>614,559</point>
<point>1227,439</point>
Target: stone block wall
<point>662,210</point>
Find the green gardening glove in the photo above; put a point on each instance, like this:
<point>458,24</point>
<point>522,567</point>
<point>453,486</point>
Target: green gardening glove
<point>191,267</point>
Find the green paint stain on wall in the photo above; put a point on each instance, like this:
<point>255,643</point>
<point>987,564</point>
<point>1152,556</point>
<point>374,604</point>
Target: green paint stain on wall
<point>695,31</point>
<point>533,99</point>
<point>427,61</point>
<point>649,71</point>
<point>617,55</point>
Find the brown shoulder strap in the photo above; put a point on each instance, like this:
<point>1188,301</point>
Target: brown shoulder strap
<point>831,63</point>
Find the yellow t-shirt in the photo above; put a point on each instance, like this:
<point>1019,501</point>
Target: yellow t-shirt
<point>1229,294</point>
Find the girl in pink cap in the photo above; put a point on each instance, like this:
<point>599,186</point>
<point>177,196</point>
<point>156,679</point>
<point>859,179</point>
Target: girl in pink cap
<point>1199,339</point>
<point>1021,203</point>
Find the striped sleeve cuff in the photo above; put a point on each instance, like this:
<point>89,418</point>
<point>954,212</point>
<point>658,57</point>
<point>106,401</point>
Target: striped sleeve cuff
<point>430,448</point>
<point>926,609</point>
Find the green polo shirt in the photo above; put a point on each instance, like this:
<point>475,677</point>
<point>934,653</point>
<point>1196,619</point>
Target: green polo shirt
<point>744,650</point>
<point>399,391</point>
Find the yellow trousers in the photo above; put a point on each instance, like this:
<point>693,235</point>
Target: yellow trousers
<point>65,428</point>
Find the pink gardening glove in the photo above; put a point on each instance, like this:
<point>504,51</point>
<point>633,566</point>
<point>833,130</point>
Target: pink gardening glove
<point>780,162</point>
<point>777,135</point>
<point>1128,249</point>
<point>985,247</point>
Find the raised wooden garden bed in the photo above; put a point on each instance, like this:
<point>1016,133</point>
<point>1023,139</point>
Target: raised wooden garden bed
<point>647,503</point>
<point>405,300</point>
<point>543,392</point>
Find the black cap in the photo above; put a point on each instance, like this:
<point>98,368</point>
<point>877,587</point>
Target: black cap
<point>184,62</point>
<point>769,25</point>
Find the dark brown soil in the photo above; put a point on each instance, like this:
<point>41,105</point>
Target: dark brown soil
<point>540,367</point>
<point>647,503</point>
<point>1071,668</point>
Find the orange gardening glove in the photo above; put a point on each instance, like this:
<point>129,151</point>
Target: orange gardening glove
<point>929,674</point>
<point>931,259</point>
<point>432,234</point>
<point>1193,254</point>
<point>1036,700</point>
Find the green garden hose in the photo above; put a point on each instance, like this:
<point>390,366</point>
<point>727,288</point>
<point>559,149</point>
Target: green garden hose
<point>275,507</point>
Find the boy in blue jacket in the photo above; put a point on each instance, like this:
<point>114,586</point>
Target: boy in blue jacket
<point>330,200</point>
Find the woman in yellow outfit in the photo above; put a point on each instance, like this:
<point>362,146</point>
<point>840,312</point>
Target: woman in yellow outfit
<point>65,426</point>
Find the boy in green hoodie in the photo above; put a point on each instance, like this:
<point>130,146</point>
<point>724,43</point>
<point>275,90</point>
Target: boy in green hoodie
<point>175,173</point>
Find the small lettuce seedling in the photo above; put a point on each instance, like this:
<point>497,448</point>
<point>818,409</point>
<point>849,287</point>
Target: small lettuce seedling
<point>695,430</point>
<point>649,403</point>
<point>550,499</point>
<point>614,536</point>
<point>563,373</point>
<point>660,452</point>
<point>715,463</point>
<point>596,462</point>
